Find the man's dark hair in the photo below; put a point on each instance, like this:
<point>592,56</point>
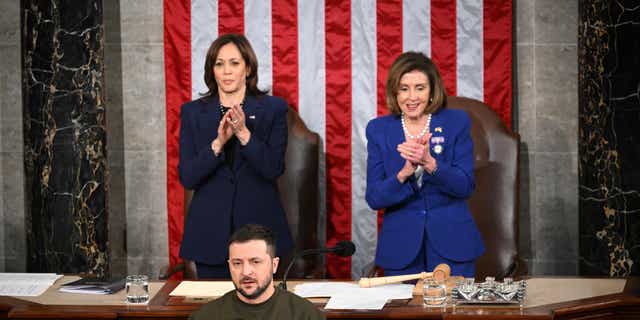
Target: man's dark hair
<point>250,232</point>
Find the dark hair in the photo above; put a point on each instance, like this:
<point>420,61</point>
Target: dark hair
<point>411,61</point>
<point>250,232</point>
<point>248,55</point>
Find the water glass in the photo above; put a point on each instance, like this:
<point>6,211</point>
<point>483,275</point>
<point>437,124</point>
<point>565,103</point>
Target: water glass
<point>137,288</point>
<point>434,293</point>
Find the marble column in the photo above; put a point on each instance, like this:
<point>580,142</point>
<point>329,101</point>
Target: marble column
<point>64,136</point>
<point>609,138</point>
<point>12,234</point>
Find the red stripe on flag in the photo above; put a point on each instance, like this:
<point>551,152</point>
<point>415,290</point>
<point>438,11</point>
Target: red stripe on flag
<point>338,130</point>
<point>284,21</point>
<point>389,46</point>
<point>177,57</point>
<point>230,16</point>
<point>443,41</point>
<point>498,48</point>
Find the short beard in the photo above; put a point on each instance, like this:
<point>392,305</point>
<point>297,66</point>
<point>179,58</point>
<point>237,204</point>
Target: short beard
<point>259,291</point>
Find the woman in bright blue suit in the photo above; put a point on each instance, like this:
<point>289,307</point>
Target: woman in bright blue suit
<point>232,146</point>
<point>420,171</point>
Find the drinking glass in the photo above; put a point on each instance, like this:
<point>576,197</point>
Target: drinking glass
<point>434,293</point>
<point>137,288</point>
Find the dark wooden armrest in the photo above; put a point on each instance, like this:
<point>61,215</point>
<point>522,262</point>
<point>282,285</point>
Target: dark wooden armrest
<point>168,271</point>
<point>517,268</point>
<point>188,268</point>
<point>190,271</point>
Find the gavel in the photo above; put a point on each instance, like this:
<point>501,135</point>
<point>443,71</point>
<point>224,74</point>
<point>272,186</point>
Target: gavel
<point>440,273</point>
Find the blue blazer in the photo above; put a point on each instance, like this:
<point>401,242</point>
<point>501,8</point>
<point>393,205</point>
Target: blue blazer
<point>225,196</point>
<point>439,206</point>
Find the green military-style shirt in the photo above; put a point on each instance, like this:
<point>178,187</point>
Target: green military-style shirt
<point>282,305</point>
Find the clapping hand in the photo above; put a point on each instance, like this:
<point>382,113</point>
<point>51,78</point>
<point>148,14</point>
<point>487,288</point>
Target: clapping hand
<point>237,120</point>
<point>225,129</point>
<point>416,153</point>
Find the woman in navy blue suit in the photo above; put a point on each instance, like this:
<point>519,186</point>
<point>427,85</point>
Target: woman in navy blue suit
<point>420,171</point>
<point>232,146</point>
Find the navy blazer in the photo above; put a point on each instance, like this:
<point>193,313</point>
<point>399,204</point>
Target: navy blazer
<point>225,196</point>
<point>439,205</point>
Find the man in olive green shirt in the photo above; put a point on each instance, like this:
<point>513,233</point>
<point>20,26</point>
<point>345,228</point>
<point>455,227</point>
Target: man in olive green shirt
<point>252,263</point>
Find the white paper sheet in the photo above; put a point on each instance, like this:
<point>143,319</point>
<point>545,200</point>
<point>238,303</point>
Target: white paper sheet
<point>322,289</point>
<point>354,300</point>
<point>351,296</point>
<point>26,284</point>
<point>202,288</point>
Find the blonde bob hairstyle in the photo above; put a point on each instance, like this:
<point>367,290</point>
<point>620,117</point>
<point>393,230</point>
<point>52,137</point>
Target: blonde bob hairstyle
<point>411,61</point>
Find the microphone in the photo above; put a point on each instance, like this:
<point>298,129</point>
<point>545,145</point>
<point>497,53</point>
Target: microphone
<point>344,248</point>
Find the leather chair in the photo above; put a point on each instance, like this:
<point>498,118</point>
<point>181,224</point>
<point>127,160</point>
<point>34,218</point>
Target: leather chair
<point>299,193</point>
<point>298,188</point>
<point>494,203</point>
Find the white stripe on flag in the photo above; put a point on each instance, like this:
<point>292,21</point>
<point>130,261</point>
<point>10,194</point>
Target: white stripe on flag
<point>257,28</point>
<point>470,66</point>
<point>364,107</point>
<point>204,29</point>
<point>416,26</point>
<point>311,66</point>
<point>311,89</point>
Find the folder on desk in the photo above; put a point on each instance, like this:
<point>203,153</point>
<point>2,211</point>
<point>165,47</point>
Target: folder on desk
<point>93,286</point>
<point>202,289</point>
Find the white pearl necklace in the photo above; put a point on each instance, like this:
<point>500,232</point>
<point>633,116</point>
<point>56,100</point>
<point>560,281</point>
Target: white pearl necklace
<point>421,134</point>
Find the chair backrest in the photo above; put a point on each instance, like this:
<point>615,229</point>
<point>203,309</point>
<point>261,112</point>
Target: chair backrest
<point>298,188</point>
<point>494,203</point>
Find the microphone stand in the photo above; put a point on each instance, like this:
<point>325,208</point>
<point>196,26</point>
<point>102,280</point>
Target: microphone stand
<point>344,248</point>
<point>283,284</point>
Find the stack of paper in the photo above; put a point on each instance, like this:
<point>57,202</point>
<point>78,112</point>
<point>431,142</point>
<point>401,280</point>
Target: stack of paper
<point>26,284</point>
<point>351,296</point>
<point>202,288</point>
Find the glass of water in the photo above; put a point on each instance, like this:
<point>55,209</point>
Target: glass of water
<point>137,288</point>
<point>434,293</point>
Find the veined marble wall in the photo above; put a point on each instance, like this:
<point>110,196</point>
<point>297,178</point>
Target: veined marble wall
<point>64,137</point>
<point>546,111</point>
<point>609,138</point>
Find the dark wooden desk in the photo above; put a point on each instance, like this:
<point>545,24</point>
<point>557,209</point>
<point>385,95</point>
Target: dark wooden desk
<point>622,305</point>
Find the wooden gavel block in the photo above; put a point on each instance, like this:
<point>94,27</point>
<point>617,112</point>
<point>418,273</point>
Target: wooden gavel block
<point>441,272</point>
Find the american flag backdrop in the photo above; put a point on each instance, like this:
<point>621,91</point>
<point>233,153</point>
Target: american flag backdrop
<point>329,60</point>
